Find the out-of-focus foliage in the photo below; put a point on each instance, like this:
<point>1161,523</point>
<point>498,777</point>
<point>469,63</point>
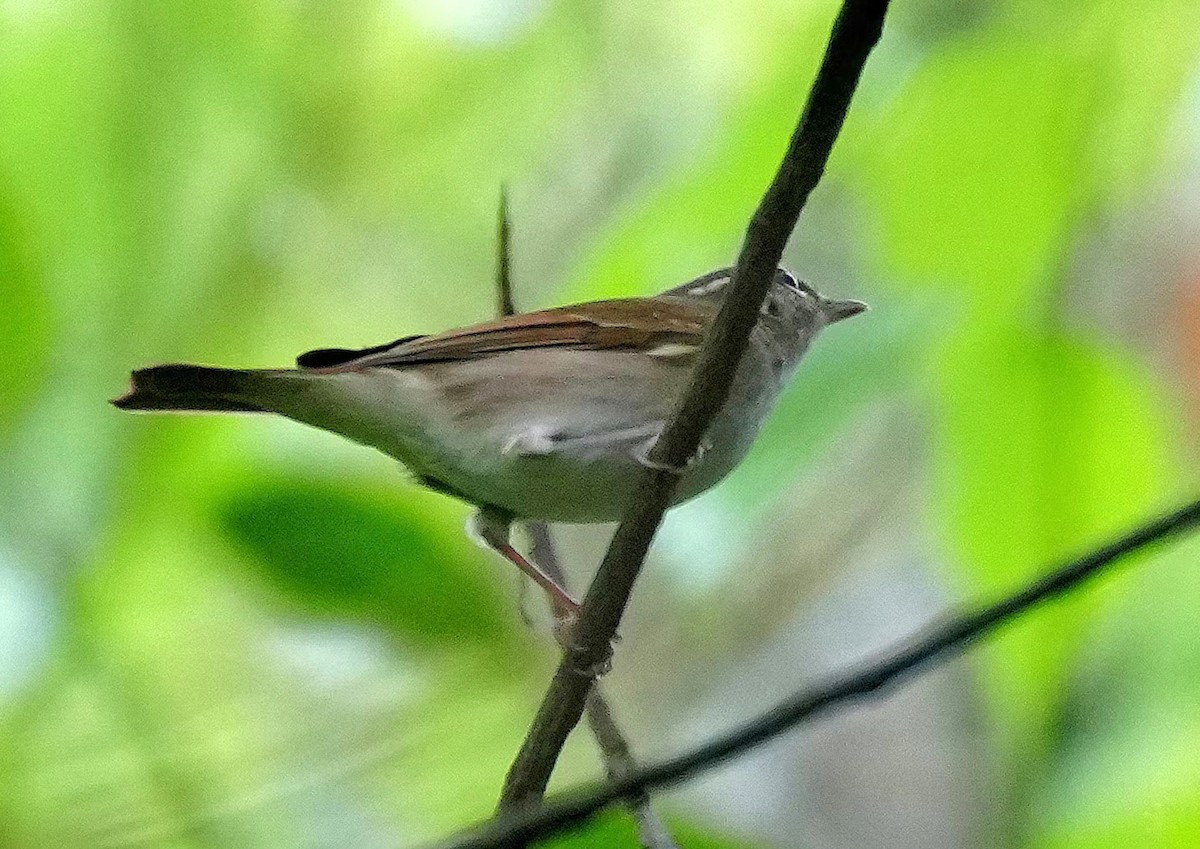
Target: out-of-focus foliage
<point>344,550</point>
<point>244,633</point>
<point>23,332</point>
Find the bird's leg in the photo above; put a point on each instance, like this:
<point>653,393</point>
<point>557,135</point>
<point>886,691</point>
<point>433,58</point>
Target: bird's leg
<point>492,529</point>
<point>523,601</point>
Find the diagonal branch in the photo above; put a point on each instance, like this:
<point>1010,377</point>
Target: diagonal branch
<point>940,639</point>
<point>614,748</point>
<point>618,759</point>
<point>855,32</point>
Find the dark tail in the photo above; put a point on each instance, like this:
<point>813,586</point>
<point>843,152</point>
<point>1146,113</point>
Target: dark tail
<point>181,387</point>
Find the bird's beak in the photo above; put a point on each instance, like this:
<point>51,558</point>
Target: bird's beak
<point>838,310</point>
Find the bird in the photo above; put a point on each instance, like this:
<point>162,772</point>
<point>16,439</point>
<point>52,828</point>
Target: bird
<point>537,416</point>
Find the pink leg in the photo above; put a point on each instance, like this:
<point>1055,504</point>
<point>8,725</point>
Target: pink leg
<point>492,529</point>
<point>564,606</point>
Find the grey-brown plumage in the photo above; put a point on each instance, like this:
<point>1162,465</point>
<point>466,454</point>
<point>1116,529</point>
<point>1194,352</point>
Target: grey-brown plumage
<point>544,415</point>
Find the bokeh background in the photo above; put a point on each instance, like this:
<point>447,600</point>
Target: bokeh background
<point>241,632</point>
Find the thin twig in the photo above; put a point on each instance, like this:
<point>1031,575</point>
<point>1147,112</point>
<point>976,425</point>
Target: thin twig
<point>619,763</point>
<point>504,296</point>
<point>856,30</point>
<point>950,634</point>
<point>614,748</point>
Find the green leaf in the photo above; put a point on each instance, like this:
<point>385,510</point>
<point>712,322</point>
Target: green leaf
<point>24,320</point>
<point>614,829</point>
<point>371,557</point>
<point>1167,821</point>
<point>1145,62</point>
<point>611,829</point>
<point>184,712</point>
<point>692,835</point>
<point>1046,446</point>
<point>1124,760</point>
<point>999,144</point>
<point>974,170</point>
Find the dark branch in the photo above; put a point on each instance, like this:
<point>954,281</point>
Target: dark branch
<point>855,32</point>
<point>614,748</point>
<point>940,639</point>
<point>610,740</point>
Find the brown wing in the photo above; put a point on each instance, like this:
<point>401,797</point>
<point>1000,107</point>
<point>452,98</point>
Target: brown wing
<point>665,326</point>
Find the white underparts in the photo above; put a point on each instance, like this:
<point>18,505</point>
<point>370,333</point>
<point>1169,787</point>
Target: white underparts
<point>532,442</point>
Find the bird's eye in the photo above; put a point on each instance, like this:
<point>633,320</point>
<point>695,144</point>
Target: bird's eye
<point>797,285</point>
<point>788,279</point>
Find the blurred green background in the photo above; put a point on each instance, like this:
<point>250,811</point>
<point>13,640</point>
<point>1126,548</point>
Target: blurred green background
<point>244,633</point>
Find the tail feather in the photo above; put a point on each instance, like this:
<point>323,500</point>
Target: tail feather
<point>199,388</point>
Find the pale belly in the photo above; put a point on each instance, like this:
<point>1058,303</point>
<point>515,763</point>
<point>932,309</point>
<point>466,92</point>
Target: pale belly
<point>569,485</point>
<point>557,436</point>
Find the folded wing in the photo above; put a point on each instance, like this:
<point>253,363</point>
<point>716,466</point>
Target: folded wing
<point>664,326</point>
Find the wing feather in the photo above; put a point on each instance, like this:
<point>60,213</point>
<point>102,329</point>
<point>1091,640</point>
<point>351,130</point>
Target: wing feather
<point>629,323</point>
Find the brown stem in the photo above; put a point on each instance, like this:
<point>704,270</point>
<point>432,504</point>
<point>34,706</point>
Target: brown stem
<point>856,30</point>
<point>614,748</point>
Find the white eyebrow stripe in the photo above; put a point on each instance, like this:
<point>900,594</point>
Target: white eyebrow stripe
<point>709,287</point>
